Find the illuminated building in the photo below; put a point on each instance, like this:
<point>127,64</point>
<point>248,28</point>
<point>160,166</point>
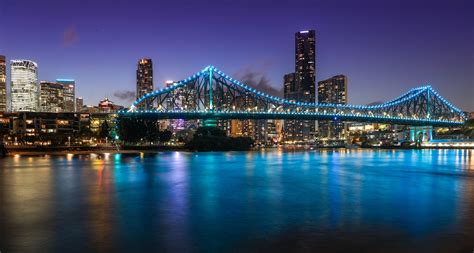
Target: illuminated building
<point>107,106</point>
<point>305,66</point>
<point>3,84</point>
<point>46,128</point>
<point>24,85</point>
<point>300,86</point>
<point>51,97</point>
<point>181,99</point>
<point>69,87</point>
<point>79,104</point>
<point>50,126</point>
<point>332,91</point>
<point>144,81</point>
<point>292,130</point>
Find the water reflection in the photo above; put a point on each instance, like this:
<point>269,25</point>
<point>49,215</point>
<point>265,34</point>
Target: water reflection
<point>239,201</point>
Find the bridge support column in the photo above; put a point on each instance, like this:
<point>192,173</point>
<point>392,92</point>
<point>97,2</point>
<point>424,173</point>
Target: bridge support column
<point>420,134</point>
<point>209,123</point>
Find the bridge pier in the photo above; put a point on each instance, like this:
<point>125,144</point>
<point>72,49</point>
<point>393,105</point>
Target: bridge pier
<point>420,134</point>
<point>209,123</point>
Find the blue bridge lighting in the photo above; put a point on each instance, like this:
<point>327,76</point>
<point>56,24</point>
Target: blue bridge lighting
<point>211,94</point>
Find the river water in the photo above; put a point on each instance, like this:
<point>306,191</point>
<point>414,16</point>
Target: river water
<point>265,201</point>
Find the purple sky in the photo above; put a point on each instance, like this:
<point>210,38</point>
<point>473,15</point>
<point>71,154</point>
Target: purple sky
<point>384,47</point>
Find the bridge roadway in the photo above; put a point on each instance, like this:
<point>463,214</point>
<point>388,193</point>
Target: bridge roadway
<point>224,115</point>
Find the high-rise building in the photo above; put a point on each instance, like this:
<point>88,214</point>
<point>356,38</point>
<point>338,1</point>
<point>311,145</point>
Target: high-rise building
<point>293,131</point>
<point>24,85</point>
<point>289,86</point>
<point>305,65</point>
<point>300,86</point>
<point>332,91</point>
<point>69,86</point>
<point>3,84</point>
<point>51,97</point>
<point>79,104</point>
<point>144,80</point>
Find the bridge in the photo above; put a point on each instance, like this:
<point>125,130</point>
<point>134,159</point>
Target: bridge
<point>211,94</point>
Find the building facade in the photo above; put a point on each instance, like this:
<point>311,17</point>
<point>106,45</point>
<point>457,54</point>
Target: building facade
<point>332,91</point>
<point>183,99</point>
<point>24,86</point>
<point>79,104</point>
<point>69,86</point>
<point>144,80</point>
<point>107,106</point>
<point>51,97</point>
<point>305,66</point>
<point>293,128</point>
<point>3,84</point>
<point>300,86</point>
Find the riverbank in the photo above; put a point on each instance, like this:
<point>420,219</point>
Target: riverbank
<point>78,150</point>
<point>58,151</point>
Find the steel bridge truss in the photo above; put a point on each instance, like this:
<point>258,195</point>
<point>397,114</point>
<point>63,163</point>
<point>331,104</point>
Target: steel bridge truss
<point>211,94</point>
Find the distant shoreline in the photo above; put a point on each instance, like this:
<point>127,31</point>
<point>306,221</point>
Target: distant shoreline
<point>128,150</point>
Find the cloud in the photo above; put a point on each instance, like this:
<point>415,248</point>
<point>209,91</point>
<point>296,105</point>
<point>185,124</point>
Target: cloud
<point>259,81</point>
<point>125,95</point>
<point>70,36</point>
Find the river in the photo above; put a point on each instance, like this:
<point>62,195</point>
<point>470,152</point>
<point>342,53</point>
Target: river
<point>261,201</point>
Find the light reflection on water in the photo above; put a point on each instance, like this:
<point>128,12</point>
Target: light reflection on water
<point>409,200</point>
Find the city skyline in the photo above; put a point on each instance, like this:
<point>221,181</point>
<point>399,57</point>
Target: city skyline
<point>385,66</point>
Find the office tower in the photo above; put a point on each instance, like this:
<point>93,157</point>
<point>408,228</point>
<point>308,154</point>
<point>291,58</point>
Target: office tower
<point>24,85</point>
<point>3,84</point>
<point>305,66</point>
<point>69,86</point>
<point>300,86</point>
<point>289,86</point>
<point>79,104</point>
<point>51,97</point>
<point>144,81</point>
<point>332,91</point>
<point>292,130</point>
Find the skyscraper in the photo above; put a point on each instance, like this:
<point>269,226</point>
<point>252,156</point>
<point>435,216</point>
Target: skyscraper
<point>24,85</point>
<point>289,86</point>
<point>69,86</point>
<point>302,87</point>
<point>332,91</point>
<point>305,65</point>
<point>51,97</point>
<point>3,84</point>
<point>144,80</point>
<point>293,131</point>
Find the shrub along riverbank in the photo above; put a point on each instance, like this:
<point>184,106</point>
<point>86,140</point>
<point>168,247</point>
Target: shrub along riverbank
<point>215,139</point>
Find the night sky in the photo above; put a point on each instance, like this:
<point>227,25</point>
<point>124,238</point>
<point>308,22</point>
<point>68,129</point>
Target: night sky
<point>384,47</point>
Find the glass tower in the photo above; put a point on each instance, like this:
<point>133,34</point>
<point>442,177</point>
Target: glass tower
<point>51,97</point>
<point>144,81</point>
<point>300,86</point>
<point>3,84</point>
<point>332,91</point>
<point>69,87</point>
<point>24,85</point>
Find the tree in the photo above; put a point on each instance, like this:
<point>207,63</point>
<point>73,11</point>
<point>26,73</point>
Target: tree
<point>165,136</point>
<point>104,130</point>
<point>215,139</point>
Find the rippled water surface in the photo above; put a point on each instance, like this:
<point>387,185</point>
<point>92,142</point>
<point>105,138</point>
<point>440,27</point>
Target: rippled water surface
<point>321,201</point>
